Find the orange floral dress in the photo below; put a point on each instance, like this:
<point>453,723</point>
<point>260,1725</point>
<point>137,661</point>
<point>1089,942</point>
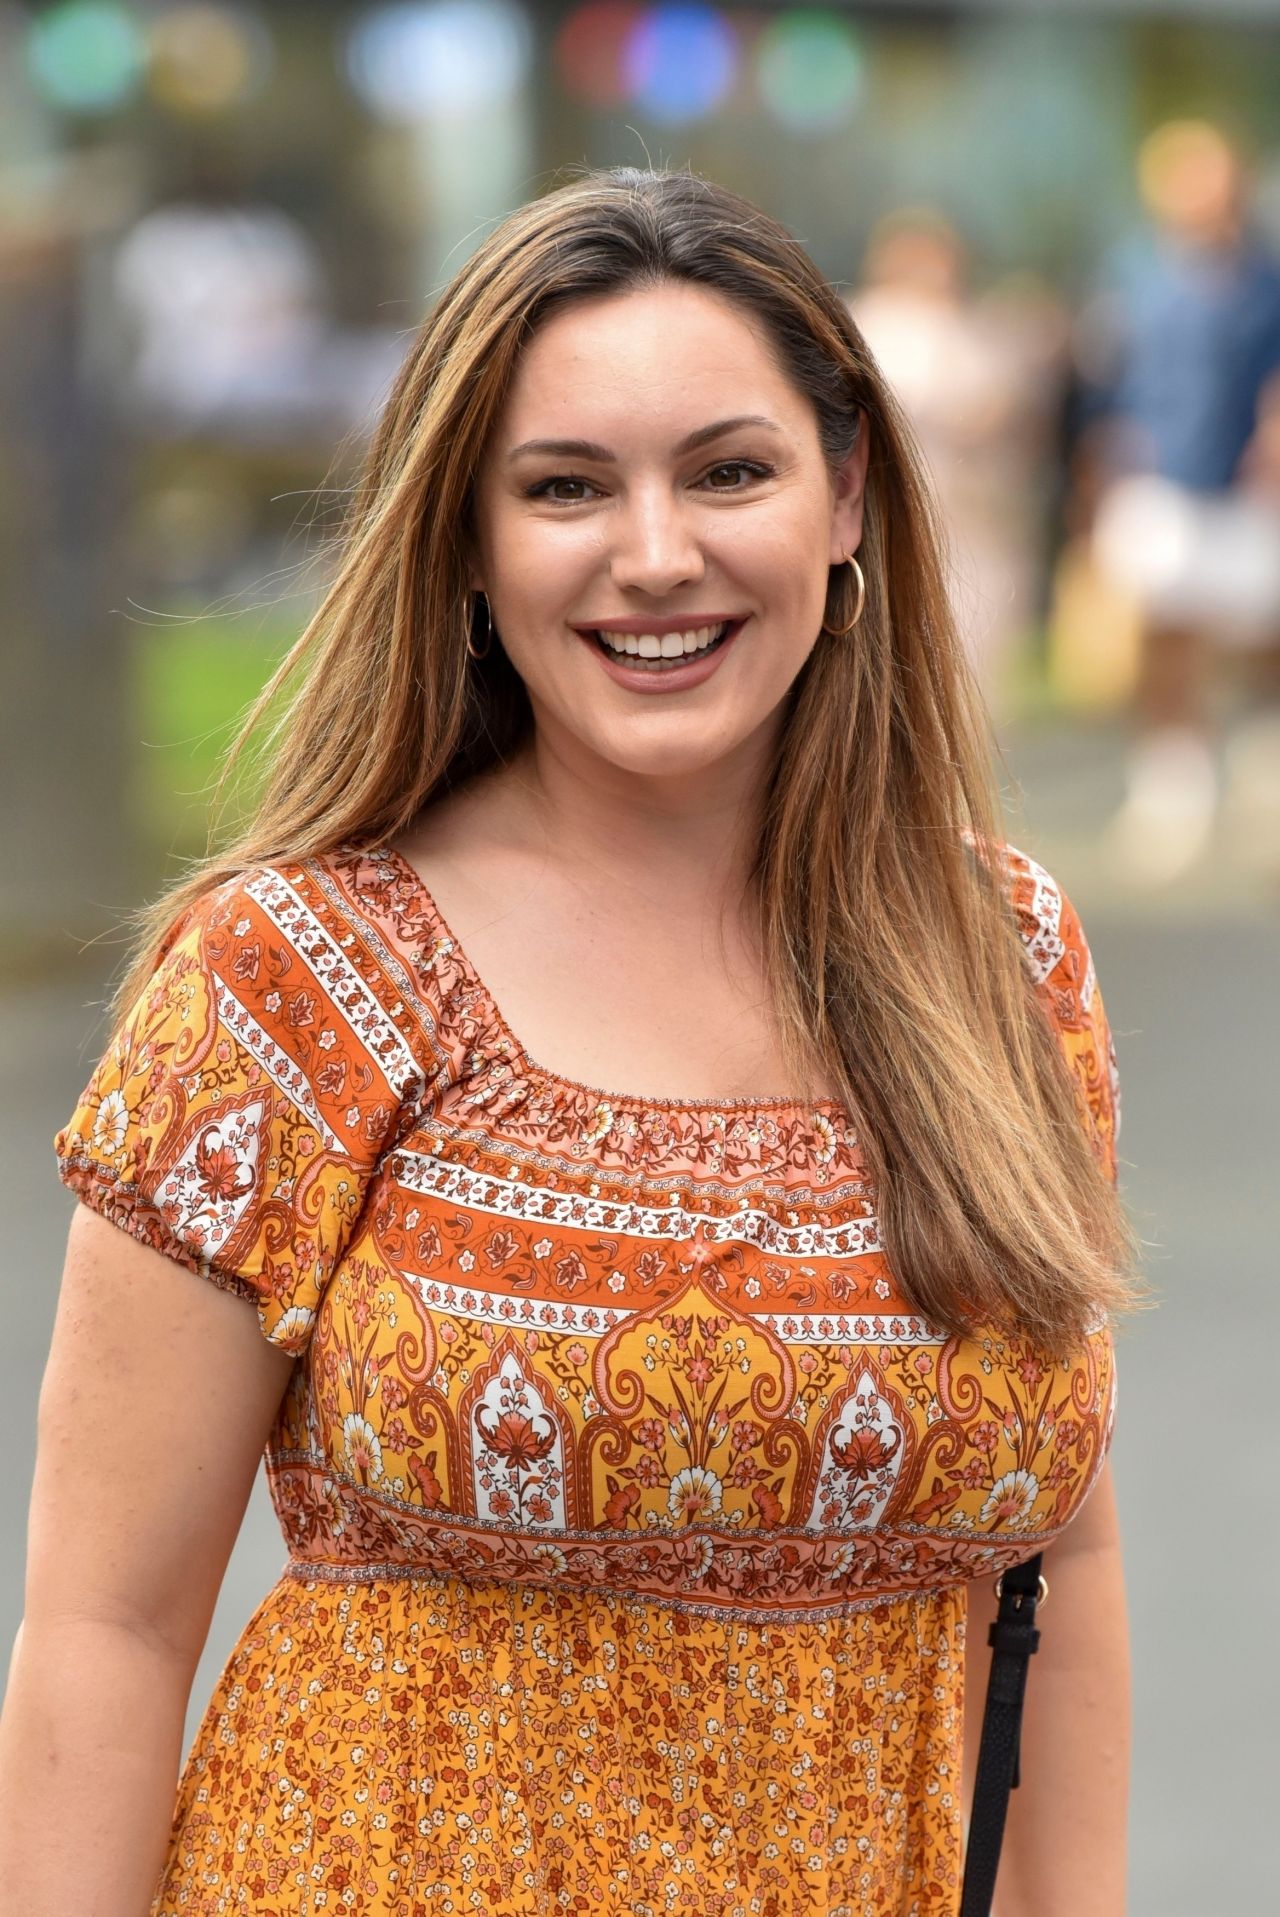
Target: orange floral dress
<point>629,1509</point>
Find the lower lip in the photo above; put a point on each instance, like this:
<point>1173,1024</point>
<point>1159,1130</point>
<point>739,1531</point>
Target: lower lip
<point>675,678</point>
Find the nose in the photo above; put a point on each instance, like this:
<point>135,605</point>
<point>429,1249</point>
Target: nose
<point>655,547</point>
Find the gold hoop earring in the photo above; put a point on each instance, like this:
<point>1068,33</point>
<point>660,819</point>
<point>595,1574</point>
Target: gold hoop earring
<point>489,633</point>
<point>840,631</point>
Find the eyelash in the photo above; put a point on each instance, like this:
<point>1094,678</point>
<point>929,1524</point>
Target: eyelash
<point>542,490</point>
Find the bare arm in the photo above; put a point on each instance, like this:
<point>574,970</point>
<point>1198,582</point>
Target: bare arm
<point>156,1403</point>
<point>1064,1851</point>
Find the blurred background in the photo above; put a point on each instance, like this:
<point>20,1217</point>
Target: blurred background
<point>1059,227</point>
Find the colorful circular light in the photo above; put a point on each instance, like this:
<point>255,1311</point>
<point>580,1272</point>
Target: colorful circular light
<point>809,69</point>
<point>447,58</point>
<point>205,58</point>
<point>590,51</point>
<point>680,62</point>
<point>88,57</point>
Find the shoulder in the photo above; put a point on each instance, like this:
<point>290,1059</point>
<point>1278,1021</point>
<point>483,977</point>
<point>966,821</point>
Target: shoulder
<point>317,914</point>
<point>1061,963</point>
<point>251,1090</point>
<point>1048,923</point>
<point>294,900</point>
<point>294,962</point>
<point>1054,942</point>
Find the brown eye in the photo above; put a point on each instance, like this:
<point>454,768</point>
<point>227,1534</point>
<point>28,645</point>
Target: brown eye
<point>735,467</point>
<point>543,490</point>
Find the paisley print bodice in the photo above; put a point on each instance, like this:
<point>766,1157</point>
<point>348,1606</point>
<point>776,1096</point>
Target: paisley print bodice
<point>555,1336</point>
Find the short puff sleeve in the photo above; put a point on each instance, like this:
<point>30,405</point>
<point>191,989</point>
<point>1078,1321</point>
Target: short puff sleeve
<point>241,1107</point>
<point>1062,966</point>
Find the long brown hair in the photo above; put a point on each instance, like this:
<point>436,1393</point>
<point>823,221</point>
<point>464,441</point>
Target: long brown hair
<point>893,952</point>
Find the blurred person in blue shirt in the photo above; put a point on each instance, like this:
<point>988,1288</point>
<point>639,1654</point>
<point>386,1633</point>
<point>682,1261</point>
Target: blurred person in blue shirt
<point>1180,348</point>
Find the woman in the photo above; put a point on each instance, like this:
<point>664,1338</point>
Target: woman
<point>638,1452</point>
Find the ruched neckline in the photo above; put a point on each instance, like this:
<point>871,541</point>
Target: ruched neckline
<point>517,1052</point>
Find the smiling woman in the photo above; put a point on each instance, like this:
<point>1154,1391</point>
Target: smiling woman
<point>650,1412</point>
<point>724,533</point>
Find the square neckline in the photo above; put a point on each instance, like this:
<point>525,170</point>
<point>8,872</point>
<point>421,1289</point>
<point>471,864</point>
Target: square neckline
<point>521,1054</point>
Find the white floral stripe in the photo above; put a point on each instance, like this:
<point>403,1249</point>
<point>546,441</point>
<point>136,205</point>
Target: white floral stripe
<point>591,1321</point>
<point>847,1327</point>
<point>430,1177</point>
<point>500,1308</point>
<point>401,976</point>
<point>1048,945</point>
<point>339,979</point>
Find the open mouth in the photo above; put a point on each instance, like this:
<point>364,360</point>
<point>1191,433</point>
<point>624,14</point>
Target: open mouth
<point>646,652</point>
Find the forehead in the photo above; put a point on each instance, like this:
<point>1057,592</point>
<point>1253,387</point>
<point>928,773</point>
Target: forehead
<point>647,355</point>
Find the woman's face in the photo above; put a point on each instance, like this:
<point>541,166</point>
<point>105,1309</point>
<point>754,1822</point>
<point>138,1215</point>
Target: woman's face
<point>653,473</point>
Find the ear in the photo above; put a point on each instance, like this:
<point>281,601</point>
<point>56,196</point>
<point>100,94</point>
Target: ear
<point>847,496</point>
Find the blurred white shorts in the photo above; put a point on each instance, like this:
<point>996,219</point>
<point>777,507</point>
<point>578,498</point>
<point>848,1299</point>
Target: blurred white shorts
<point>1203,559</point>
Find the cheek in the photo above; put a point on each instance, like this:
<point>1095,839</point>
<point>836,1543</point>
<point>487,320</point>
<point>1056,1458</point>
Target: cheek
<point>541,567</point>
<point>781,568</point>
<point>782,545</point>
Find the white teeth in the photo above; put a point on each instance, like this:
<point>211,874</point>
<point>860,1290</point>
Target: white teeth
<point>648,645</point>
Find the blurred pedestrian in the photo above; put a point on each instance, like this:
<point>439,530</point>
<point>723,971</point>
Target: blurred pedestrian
<point>1181,346</point>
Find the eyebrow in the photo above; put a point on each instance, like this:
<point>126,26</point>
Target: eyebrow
<point>588,449</point>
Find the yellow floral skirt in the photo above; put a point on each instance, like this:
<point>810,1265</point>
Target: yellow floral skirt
<point>429,1745</point>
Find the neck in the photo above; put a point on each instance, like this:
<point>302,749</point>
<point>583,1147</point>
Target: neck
<point>684,840</point>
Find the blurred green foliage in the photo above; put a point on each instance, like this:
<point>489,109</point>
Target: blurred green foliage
<point>191,686</point>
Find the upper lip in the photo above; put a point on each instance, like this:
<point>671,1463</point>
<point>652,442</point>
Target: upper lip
<point>678,622</point>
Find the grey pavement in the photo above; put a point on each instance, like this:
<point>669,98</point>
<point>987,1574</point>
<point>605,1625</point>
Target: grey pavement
<point>1189,977</point>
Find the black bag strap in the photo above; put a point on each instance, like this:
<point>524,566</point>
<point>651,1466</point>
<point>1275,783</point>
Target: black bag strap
<point>1013,1638</point>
